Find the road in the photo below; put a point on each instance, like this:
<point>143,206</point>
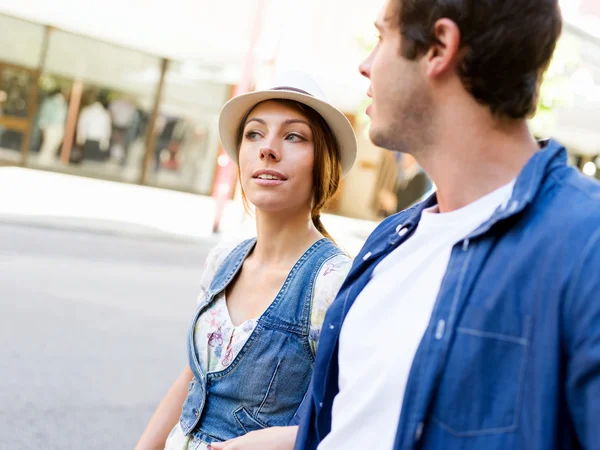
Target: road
<point>92,334</point>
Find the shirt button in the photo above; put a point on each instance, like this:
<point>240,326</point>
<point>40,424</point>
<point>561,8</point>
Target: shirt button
<point>367,256</point>
<point>465,246</point>
<point>439,331</point>
<point>320,404</point>
<point>399,227</point>
<point>332,327</point>
<point>402,232</point>
<point>419,432</point>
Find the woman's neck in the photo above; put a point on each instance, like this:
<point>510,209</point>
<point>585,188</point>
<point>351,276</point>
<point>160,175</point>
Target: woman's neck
<point>283,237</point>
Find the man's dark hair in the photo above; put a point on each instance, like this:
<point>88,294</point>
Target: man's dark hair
<point>509,45</point>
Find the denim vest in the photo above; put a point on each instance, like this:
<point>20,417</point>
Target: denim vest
<point>267,381</point>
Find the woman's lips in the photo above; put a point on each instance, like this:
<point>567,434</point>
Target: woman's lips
<point>268,177</point>
<point>266,182</point>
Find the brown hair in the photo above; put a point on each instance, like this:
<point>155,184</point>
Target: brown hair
<point>510,44</point>
<point>327,170</point>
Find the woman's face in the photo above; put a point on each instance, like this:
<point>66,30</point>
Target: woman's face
<point>276,158</point>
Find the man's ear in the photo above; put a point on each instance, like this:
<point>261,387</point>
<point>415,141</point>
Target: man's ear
<point>444,53</point>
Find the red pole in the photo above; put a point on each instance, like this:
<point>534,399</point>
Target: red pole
<point>226,174</point>
<point>74,103</point>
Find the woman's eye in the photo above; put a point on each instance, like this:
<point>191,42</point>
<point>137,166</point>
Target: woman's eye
<point>251,135</point>
<point>292,137</point>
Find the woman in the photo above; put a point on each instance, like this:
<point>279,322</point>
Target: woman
<point>53,115</point>
<point>252,342</point>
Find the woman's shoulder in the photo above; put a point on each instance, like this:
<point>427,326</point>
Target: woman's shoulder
<point>215,258</point>
<point>217,255</point>
<point>339,262</point>
<point>329,280</point>
<point>332,273</point>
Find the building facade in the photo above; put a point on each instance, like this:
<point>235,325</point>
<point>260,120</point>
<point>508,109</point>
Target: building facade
<point>140,105</point>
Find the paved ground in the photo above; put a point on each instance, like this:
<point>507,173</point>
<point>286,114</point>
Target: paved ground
<point>92,331</point>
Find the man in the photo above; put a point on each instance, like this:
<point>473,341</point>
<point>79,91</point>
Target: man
<point>471,321</point>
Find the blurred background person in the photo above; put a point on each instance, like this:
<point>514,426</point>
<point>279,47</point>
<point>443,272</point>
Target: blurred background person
<point>123,112</point>
<point>94,130</point>
<point>53,114</point>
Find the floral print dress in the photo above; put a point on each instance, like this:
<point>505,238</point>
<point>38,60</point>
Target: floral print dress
<point>218,341</point>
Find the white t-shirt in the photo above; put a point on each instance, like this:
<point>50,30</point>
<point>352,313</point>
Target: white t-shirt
<point>385,325</point>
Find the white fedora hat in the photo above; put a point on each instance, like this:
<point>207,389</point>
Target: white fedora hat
<point>295,86</point>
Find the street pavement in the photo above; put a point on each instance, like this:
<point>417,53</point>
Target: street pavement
<point>92,333</point>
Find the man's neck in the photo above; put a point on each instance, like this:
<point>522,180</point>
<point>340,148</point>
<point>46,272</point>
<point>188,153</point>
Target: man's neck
<point>469,163</point>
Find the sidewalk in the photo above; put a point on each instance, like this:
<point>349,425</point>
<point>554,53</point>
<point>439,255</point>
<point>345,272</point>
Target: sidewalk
<point>47,199</point>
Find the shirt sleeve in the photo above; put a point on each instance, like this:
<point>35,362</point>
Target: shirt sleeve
<point>327,285</point>
<point>582,342</point>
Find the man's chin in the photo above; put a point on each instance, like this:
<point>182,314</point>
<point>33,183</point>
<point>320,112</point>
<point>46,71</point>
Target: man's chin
<point>378,137</point>
<point>386,140</point>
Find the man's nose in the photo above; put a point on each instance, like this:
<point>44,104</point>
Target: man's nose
<point>365,67</point>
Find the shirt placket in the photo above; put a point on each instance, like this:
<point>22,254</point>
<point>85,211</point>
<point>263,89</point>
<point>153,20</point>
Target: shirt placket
<point>430,357</point>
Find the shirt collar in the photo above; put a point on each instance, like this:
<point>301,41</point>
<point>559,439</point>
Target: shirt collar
<point>527,185</point>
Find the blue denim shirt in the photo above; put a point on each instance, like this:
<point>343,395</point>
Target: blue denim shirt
<point>511,355</point>
<point>268,379</point>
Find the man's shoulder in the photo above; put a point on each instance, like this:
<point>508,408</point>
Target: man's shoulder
<point>584,188</point>
<point>572,202</point>
<point>562,223</point>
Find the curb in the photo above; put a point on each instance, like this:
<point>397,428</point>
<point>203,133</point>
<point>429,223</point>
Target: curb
<point>118,229</point>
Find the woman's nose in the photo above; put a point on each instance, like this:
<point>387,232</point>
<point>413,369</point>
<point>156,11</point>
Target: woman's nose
<point>269,153</point>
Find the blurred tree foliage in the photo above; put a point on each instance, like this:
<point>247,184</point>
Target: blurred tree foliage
<point>555,90</point>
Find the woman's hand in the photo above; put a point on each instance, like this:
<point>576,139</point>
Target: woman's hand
<point>275,438</point>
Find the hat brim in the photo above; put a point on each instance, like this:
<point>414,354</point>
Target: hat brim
<point>236,109</point>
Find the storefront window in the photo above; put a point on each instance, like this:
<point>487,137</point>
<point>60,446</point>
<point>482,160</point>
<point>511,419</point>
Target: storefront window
<point>20,52</point>
<point>186,145</point>
<point>89,111</point>
<point>16,85</point>
<point>108,97</point>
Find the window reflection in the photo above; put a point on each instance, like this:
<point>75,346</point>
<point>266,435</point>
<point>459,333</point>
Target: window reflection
<point>16,86</point>
<point>109,111</point>
<point>186,145</point>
